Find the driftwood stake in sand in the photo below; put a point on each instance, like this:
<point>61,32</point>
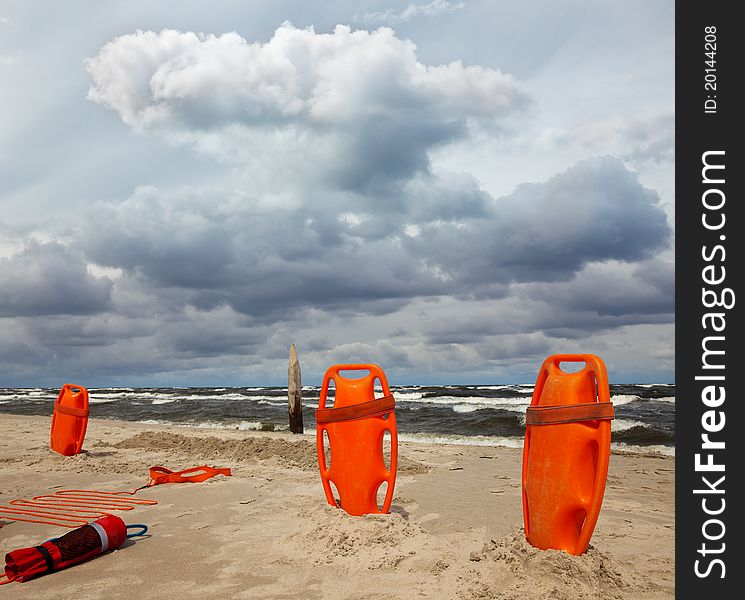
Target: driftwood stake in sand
<point>294,393</point>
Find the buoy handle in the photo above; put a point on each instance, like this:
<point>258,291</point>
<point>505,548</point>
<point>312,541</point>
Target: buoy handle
<point>142,530</point>
<point>594,366</point>
<point>333,374</point>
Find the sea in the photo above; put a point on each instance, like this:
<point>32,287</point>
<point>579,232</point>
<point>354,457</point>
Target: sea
<point>481,415</point>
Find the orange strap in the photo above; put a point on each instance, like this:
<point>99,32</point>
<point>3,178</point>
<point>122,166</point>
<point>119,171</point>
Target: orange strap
<point>71,410</point>
<point>374,408</point>
<point>160,475</point>
<point>572,413</point>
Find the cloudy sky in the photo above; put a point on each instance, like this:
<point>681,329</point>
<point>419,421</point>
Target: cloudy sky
<point>453,190</point>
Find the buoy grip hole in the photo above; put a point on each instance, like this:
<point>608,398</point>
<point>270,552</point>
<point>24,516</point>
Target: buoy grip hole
<point>365,373</point>
<point>381,494</point>
<point>326,449</point>
<point>571,367</point>
<point>386,449</point>
<point>335,493</point>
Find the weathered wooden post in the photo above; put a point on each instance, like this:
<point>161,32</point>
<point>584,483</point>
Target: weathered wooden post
<point>294,393</point>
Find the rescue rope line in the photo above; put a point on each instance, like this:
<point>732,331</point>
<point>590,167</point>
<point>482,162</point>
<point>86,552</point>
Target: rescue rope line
<point>73,508</point>
<point>70,508</point>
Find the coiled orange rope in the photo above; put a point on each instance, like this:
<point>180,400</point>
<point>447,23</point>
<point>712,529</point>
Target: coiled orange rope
<point>70,508</point>
<point>73,508</point>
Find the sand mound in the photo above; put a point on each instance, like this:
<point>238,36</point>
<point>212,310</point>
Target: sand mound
<point>299,454</point>
<point>369,542</point>
<point>512,568</point>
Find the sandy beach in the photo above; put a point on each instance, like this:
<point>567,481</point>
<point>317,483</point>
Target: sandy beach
<point>455,530</point>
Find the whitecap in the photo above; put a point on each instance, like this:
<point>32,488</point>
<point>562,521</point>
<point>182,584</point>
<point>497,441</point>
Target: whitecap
<point>621,399</point>
<point>670,399</point>
<point>654,449</point>
<point>624,424</point>
<point>467,408</point>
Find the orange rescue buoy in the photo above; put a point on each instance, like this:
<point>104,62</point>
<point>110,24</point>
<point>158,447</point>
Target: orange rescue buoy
<point>356,426</point>
<point>566,453</point>
<point>70,419</point>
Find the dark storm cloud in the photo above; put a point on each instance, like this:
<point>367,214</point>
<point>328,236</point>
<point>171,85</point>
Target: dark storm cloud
<point>50,279</point>
<point>218,252</point>
<point>594,211</point>
<point>601,298</point>
<point>619,290</point>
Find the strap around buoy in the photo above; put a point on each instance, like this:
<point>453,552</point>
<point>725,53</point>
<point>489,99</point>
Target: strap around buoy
<point>374,408</point>
<point>71,410</point>
<point>572,413</point>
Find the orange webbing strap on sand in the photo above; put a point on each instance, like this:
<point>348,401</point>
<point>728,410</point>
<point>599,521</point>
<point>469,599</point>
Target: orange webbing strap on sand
<point>70,508</point>
<point>373,408</point>
<point>570,413</point>
<point>160,475</point>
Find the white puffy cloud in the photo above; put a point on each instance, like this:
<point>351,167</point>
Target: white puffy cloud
<point>357,105</point>
<point>198,81</point>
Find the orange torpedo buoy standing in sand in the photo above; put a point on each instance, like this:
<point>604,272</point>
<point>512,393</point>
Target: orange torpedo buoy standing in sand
<point>355,426</point>
<point>566,452</point>
<point>70,419</point>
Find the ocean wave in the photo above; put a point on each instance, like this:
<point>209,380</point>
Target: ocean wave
<point>406,396</point>
<point>620,399</point>
<point>100,400</point>
<point>224,425</point>
<point>653,449</point>
<point>117,395</point>
<point>523,387</point>
<point>271,403</point>
<point>625,424</point>
<point>651,385</point>
<point>462,440</point>
<point>466,408</point>
<point>465,413</point>
<point>472,400</point>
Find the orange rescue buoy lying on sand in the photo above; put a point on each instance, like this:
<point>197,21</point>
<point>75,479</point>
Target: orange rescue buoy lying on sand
<point>70,419</point>
<point>566,453</point>
<point>356,426</point>
<point>94,538</point>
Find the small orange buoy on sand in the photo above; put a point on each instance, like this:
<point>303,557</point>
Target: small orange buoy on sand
<point>70,420</point>
<point>566,453</point>
<point>356,426</point>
